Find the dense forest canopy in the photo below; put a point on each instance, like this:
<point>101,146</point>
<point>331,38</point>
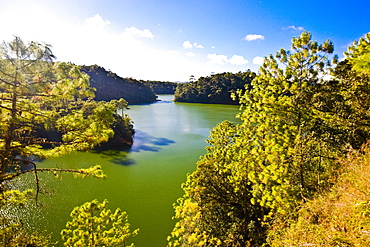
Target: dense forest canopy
<point>214,89</point>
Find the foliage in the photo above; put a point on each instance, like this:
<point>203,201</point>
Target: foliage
<point>214,89</point>
<point>340,217</point>
<point>17,235</point>
<point>359,54</point>
<point>46,110</point>
<point>281,156</point>
<point>288,146</point>
<point>13,232</point>
<point>216,209</point>
<point>110,86</point>
<point>352,87</point>
<point>93,224</point>
<point>161,87</point>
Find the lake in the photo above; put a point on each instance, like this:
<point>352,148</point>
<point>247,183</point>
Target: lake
<point>145,181</point>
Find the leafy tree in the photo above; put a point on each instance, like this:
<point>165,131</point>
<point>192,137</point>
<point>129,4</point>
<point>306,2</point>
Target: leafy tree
<point>278,157</point>
<point>93,224</point>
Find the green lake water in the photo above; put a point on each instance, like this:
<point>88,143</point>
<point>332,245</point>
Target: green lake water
<point>145,181</point>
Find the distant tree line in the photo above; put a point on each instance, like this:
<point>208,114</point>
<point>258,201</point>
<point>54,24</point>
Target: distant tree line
<point>161,87</point>
<point>214,89</point>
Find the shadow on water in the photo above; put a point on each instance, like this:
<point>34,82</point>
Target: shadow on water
<point>116,156</point>
<point>145,142</point>
<point>142,142</point>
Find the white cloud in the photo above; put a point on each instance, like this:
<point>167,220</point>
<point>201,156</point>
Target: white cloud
<point>196,45</point>
<point>139,33</point>
<point>238,60</point>
<point>222,59</point>
<point>251,37</point>
<point>295,28</point>
<point>188,45</point>
<point>213,47</point>
<point>258,60</point>
<point>190,54</point>
<point>96,21</point>
<point>98,40</point>
<point>217,59</point>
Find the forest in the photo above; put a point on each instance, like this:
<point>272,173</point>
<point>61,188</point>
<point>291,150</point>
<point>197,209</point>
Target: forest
<point>214,89</point>
<point>294,172</point>
<point>161,87</point>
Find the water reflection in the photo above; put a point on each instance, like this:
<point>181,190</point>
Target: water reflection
<point>145,142</point>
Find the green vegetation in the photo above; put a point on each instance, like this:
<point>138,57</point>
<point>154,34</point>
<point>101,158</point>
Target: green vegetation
<point>93,224</point>
<point>110,86</point>
<point>214,89</point>
<point>293,173</point>
<point>338,217</point>
<point>259,176</point>
<point>38,96</point>
<point>160,87</point>
<point>46,110</point>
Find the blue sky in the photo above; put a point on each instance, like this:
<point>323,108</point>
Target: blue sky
<point>171,40</point>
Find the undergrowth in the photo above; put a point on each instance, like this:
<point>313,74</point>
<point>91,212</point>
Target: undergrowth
<point>338,217</point>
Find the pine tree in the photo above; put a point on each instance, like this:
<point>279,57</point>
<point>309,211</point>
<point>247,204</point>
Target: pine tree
<point>46,109</point>
<point>93,224</point>
<point>277,158</point>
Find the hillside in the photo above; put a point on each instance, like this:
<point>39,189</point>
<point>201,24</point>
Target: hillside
<point>110,86</point>
<point>214,89</point>
<point>338,217</point>
<point>160,87</point>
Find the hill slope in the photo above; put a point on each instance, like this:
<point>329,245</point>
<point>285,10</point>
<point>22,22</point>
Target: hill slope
<point>110,86</point>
